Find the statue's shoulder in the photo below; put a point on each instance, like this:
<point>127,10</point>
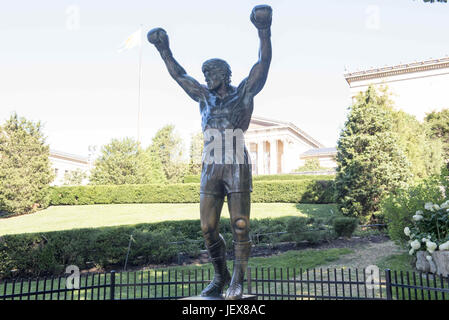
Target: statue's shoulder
<point>242,84</point>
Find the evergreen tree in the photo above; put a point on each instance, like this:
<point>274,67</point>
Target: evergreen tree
<point>168,147</point>
<point>370,161</point>
<point>25,169</point>
<point>122,161</point>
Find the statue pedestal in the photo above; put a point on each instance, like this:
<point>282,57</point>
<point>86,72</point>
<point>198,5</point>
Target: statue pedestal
<point>244,297</point>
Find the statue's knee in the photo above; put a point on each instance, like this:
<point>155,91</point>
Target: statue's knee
<point>241,226</point>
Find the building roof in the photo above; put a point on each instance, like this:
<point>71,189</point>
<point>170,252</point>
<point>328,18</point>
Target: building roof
<point>320,152</point>
<point>258,123</point>
<point>68,156</point>
<point>387,71</point>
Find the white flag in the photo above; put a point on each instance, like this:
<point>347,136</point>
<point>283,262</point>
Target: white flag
<point>132,41</point>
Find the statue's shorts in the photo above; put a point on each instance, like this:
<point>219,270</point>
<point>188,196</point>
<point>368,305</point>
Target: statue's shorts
<point>222,179</point>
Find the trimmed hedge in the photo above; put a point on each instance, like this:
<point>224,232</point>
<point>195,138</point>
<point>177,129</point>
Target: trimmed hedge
<point>49,253</point>
<point>345,226</point>
<point>269,177</point>
<point>303,191</point>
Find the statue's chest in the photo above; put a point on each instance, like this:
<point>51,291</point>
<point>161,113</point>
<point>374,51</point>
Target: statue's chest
<point>217,112</point>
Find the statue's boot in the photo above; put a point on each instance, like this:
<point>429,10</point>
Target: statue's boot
<point>217,254</point>
<point>241,251</point>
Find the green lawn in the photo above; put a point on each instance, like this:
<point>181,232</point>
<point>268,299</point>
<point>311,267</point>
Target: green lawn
<point>93,216</point>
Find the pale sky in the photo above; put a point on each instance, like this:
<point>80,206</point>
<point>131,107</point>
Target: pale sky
<point>59,62</point>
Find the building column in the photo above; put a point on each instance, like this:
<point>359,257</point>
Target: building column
<point>273,157</point>
<point>260,155</point>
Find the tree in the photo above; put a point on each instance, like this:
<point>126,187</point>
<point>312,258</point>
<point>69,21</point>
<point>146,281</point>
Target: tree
<point>370,162</point>
<point>424,153</point>
<point>311,165</point>
<point>167,146</point>
<point>25,168</point>
<point>74,178</point>
<point>438,124</point>
<point>196,153</point>
<point>122,161</point>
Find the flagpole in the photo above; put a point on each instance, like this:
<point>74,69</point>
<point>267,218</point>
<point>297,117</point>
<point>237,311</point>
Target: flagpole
<point>140,83</point>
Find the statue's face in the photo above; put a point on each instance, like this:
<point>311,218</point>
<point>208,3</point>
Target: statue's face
<point>214,79</point>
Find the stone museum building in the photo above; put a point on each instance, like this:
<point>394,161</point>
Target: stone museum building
<point>63,163</point>
<point>278,147</point>
<point>417,88</point>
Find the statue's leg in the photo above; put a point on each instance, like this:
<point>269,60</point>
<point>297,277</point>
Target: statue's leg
<point>239,208</point>
<point>210,210</point>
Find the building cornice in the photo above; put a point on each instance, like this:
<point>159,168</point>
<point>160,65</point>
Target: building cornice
<point>384,72</point>
<point>68,157</point>
<point>276,125</point>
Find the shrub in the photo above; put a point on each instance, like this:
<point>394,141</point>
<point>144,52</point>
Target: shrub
<point>308,229</point>
<point>304,191</point>
<point>398,208</point>
<point>269,177</point>
<point>345,226</point>
<point>430,229</point>
<point>49,253</point>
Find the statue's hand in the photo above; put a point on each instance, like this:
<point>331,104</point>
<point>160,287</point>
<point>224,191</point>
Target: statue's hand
<point>261,16</point>
<point>158,37</point>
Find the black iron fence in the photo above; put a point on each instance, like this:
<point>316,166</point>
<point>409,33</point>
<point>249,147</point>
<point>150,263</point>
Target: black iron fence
<point>265,283</point>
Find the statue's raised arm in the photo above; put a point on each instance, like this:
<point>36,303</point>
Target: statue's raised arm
<point>158,37</point>
<point>261,18</point>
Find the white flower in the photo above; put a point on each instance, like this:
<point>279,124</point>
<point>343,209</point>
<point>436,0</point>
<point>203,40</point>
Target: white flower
<point>415,245</point>
<point>431,246</point>
<point>411,252</point>
<point>445,205</point>
<point>425,240</point>
<point>436,207</point>
<point>428,206</point>
<point>407,231</point>
<point>444,246</point>
<point>419,212</point>
<point>417,217</point>
<point>429,258</point>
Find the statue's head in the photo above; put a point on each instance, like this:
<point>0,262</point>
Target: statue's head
<point>216,72</point>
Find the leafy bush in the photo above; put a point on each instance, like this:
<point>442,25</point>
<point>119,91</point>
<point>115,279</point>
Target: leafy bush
<point>37,254</point>
<point>308,229</point>
<point>304,191</point>
<point>345,226</point>
<point>270,177</point>
<point>399,207</point>
<point>430,227</point>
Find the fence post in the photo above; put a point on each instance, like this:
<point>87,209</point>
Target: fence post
<point>112,292</point>
<point>388,284</point>
<point>248,279</point>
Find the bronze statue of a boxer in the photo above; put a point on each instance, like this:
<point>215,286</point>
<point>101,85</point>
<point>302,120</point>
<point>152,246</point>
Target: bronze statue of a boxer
<point>224,107</point>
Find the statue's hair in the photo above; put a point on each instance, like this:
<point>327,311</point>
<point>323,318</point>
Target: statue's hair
<point>220,66</point>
